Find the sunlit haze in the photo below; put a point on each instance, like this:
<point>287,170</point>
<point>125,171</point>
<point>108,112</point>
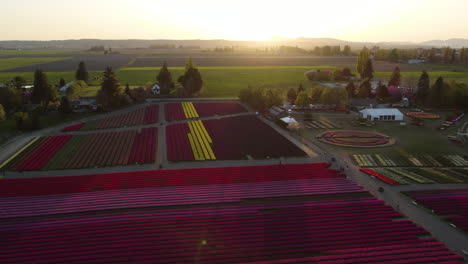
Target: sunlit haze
<point>360,20</point>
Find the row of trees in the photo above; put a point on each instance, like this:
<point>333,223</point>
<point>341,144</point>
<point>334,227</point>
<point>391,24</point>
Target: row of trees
<point>318,50</point>
<point>441,93</point>
<point>445,55</point>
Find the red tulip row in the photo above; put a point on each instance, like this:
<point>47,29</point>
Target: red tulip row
<point>225,108</point>
<point>236,137</point>
<point>178,145</point>
<point>73,127</point>
<point>174,111</point>
<point>43,154</point>
<point>151,114</point>
<point>379,176</point>
<point>132,118</point>
<point>148,115</point>
<point>144,146</point>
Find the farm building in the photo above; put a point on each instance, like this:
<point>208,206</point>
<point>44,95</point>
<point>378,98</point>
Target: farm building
<point>277,112</point>
<point>84,104</point>
<point>64,88</point>
<point>382,114</point>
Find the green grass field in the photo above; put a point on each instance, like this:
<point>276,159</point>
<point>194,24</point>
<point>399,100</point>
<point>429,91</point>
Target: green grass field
<point>225,81</point>
<point>36,52</point>
<point>12,63</point>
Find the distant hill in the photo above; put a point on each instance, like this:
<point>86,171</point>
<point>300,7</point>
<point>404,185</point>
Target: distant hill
<point>454,43</point>
<point>308,43</point>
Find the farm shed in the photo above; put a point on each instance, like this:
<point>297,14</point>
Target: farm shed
<point>382,114</point>
<point>277,112</point>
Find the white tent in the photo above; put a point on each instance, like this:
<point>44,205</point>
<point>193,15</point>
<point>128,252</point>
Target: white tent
<point>288,120</point>
<point>382,114</point>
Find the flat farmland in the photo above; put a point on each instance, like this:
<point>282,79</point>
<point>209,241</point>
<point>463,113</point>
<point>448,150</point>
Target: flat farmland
<point>219,61</point>
<point>18,62</point>
<point>94,62</point>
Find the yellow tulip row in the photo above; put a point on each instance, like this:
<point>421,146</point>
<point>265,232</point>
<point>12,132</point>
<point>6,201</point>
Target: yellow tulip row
<point>200,141</point>
<point>189,110</point>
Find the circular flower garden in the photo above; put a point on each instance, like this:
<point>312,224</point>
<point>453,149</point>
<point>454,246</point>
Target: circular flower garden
<point>422,115</point>
<point>351,138</point>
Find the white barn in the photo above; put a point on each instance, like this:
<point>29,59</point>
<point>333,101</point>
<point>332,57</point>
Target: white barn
<point>381,114</point>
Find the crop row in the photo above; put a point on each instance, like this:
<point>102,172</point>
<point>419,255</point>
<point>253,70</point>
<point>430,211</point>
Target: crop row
<point>419,175</point>
<point>381,160</point>
<point>36,155</point>
<point>142,116</point>
<point>87,151</point>
<point>243,136</point>
<point>188,110</point>
<point>222,139</point>
<point>178,144</point>
<point>200,141</point>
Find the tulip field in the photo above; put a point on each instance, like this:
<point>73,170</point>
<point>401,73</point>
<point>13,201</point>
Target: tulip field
<point>86,151</point>
<point>188,110</point>
<point>309,214</point>
<point>351,138</point>
<point>223,139</point>
<point>382,160</point>
<point>142,116</point>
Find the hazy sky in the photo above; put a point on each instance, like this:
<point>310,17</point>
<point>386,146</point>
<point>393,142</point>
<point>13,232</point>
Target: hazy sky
<point>355,20</point>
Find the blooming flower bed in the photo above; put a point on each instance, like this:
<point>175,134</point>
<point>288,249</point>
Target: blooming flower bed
<point>90,150</point>
<point>193,140</point>
<point>423,115</point>
<point>350,138</point>
<point>142,116</point>
<point>381,160</point>
<point>418,175</point>
<point>188,110</point>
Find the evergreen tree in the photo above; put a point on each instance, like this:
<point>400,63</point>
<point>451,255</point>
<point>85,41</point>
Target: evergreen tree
<point>369,70</point>
<point>62,82</point>
<point>165,79</point>
<point>351,89</point>
<point>302,100</point>
<point>292,95</point>
<point>395,79</point>
<point>423,91</point>
<point>365,89</point>
<point>41,90</point>
<point>127,89</point>
<point>19,82</point>
<point>382,91</point>
<point>65,107</point>
<point>188,64</point>
<point>110,94</point>
<point>437,92</point>
<point>191,81</point>
<point>2,113</point>
<point>347,50</point>
<point>82,73</point>
<point>362,59</point>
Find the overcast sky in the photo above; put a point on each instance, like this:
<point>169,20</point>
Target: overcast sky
<point>358,20</point>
